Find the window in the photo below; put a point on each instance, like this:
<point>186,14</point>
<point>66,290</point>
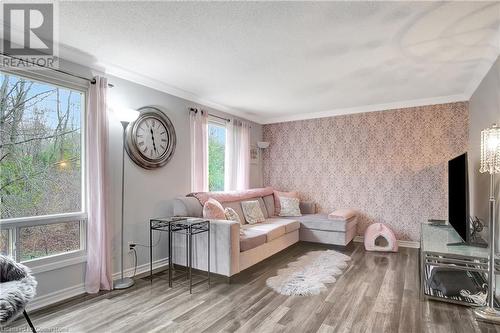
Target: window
<point>42,201</point>
<point>216,155</point>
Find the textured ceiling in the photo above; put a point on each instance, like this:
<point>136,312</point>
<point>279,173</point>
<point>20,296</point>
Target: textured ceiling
<point>276,61</point>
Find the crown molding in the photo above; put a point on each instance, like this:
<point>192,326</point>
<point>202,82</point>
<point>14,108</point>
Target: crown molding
<point>368,108</point>
<point>174,91</point>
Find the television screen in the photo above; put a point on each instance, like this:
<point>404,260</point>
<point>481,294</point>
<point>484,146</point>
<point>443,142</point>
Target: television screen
<point>458,196</point>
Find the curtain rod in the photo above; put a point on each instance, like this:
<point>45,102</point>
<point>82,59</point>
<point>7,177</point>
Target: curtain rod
<point>92,80</point>
<point>195,110</point>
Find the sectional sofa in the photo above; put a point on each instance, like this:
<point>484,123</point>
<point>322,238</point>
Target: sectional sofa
<point>233,251</point>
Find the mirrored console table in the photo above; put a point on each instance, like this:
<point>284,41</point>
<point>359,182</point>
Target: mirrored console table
<point>436,253</point>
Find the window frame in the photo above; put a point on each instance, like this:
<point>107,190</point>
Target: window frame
<point>13,225</point>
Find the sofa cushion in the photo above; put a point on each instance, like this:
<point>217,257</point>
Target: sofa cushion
<point>272,230</point>
<point>269,203</point>
<point>307,207</point>
<point>232,196</point>
<point>322,222</point>
<point>290,225</point>
<point>262,207</point>
<point>237,208</point>
<point>250,239</point>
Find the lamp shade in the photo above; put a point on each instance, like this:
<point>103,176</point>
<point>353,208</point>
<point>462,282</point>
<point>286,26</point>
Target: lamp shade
<point>127,115</point>
<point>490,150</point>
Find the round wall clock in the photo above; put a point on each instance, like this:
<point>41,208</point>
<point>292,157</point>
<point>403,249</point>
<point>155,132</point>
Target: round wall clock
<point>150,139</point>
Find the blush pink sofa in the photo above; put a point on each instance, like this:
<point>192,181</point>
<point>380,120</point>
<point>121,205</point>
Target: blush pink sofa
<point>232,252</point>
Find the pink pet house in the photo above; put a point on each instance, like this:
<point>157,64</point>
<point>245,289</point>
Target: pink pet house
<point>378,237</point>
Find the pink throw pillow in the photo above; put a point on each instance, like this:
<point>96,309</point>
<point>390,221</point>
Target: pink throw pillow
<point>212,209</point>
<point>277,204</point>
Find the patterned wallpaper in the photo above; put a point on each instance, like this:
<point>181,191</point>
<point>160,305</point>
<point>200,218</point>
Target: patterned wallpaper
<point>390,165</point>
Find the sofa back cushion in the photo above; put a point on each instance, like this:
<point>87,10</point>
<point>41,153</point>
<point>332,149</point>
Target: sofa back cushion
<point>232,196</point>
<point>187,206</point>
<point>212,209</point>
<point>269,203</point>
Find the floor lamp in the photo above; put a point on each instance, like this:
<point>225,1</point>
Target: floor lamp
<point>490,163</point>
<point>125,116</point>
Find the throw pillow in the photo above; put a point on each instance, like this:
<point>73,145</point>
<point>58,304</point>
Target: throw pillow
<point>290,207</point>
<point>277,204</point>
<point>212,209</point>
<point>253,213</point>
<point>232,215</point>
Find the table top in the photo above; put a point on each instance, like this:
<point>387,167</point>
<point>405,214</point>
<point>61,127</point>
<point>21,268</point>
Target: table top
<point>436,238</point>
<point>162,222</point>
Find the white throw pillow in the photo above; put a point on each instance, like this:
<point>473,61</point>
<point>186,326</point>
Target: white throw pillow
<point>253,213</point>
<point>289,207</point>
<point>232,215</point>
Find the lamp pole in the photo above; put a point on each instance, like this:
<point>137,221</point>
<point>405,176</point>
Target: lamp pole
<point>123,282</point>
<point>490,158</point>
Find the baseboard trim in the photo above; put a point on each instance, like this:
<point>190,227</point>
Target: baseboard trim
<point>67,293</point>
<point>56,297</point>
<point>144,268</point>
<point>401,243</point>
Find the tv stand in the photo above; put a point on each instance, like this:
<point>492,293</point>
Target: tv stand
<point>439,248</point>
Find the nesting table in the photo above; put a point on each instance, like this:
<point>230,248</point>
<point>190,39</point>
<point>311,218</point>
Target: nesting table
<point>189,227</point>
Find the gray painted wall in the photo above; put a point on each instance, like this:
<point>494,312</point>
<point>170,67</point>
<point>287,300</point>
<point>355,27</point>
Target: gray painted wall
<point>146,191</point>
<point>484,110</point>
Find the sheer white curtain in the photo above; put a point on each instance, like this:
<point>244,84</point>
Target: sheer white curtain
<point>98,274</point>
<point>237,159</point>
<point>199,150</point>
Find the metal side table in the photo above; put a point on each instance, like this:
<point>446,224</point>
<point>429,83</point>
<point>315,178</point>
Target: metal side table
<point>435,252</point>
<point>188,227</point>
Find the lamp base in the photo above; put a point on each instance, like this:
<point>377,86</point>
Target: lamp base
<point>123,283</point>
<point>487,314</point>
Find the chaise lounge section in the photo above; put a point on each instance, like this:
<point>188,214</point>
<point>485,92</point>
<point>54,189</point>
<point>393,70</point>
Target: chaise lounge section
<point>235,246</point>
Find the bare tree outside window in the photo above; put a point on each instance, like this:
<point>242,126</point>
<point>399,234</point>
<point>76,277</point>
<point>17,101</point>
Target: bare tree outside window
<point>40,157</point>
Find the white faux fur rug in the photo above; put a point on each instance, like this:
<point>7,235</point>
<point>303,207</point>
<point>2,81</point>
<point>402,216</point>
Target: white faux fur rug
<point>308,275</point>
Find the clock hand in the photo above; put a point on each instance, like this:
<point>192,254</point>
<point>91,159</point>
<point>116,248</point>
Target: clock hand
<point>153,137</point>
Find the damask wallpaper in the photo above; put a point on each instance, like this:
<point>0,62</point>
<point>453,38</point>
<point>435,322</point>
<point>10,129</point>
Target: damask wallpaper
<point>390,165</point>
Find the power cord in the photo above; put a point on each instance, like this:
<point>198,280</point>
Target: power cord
<point>132,247</point>
<point>135,261</point>
<point>153,245</point>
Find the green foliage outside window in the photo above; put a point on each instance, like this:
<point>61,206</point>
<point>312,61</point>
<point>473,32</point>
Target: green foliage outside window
<point>40,162</point>
<point>216,155</point>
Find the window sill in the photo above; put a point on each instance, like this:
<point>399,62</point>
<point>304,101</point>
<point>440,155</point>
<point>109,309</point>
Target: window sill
<point>55,262</point>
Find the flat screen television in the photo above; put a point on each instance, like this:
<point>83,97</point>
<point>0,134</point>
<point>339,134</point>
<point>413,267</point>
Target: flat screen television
<point>458,196</point>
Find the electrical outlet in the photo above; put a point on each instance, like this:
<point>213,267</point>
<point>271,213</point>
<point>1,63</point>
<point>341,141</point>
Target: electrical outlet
<point>131,245</point>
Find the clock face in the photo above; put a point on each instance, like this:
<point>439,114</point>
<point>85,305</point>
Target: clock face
<point>151,137</point>
<point>150,140</point>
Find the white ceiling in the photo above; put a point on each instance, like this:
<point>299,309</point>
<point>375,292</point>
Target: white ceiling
<point>279,61</point>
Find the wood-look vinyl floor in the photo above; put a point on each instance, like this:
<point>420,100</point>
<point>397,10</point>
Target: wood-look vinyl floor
<point>377,293</point>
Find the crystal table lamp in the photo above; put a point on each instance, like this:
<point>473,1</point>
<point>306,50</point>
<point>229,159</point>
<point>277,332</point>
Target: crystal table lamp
<point>490,163</point>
